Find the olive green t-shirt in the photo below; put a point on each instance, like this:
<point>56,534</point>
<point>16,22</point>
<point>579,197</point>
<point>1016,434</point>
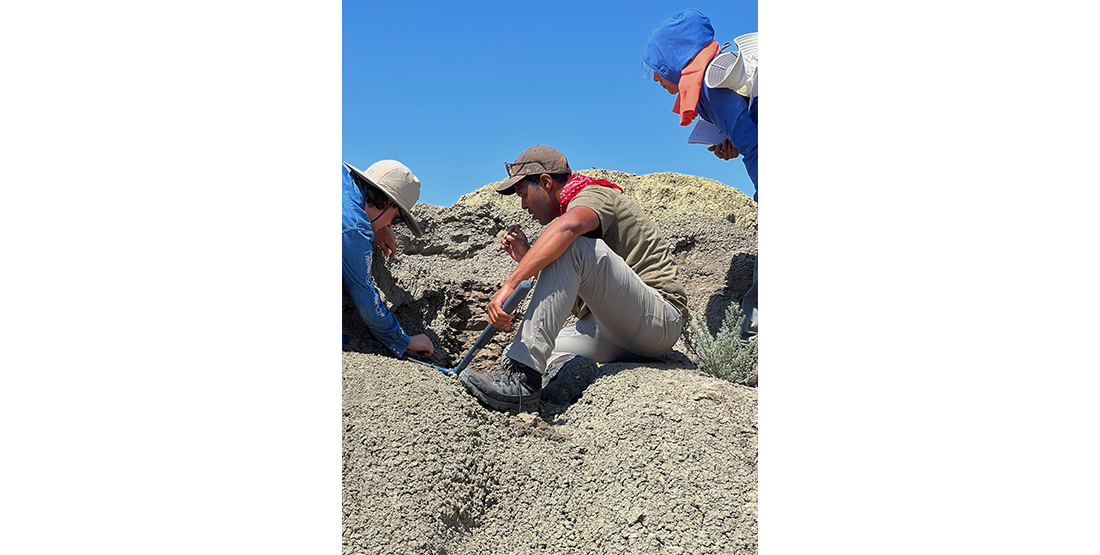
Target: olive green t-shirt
<point>633,235</point>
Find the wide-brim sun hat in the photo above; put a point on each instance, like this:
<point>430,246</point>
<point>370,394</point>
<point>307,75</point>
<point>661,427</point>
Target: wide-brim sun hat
<point>747,44</point>
<point>735,70</point>
<point>398,183</point>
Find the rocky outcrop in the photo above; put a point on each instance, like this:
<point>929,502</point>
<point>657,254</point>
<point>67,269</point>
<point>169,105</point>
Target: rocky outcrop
<point>440,283</point>
<point>653,458</point>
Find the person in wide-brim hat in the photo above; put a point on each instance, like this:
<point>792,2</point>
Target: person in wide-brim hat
<point>373,201</point>
<point>394,180</point>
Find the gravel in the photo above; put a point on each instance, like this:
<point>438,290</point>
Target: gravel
<point>654,457</point>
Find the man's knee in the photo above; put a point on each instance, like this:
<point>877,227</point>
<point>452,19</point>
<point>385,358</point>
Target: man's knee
<point>580,252</point>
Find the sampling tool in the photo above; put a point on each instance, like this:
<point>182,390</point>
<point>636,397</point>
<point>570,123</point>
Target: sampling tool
<point>509,307</point>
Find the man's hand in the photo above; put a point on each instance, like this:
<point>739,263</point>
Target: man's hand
<point>386,241</point>
<point>515,243</point>
<point>421,345</point>
<point>497,317</point>
<point>725,151</point>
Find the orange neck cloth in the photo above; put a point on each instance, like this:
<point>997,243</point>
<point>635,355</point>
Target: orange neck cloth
<point>691,81</point>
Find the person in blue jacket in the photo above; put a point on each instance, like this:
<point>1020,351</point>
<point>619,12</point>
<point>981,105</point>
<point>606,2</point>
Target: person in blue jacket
<point>687,38</point>
<point>373,201</point>
<point>678,51</point>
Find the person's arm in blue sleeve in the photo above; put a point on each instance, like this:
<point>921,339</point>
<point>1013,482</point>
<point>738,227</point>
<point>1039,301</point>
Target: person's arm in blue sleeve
<point>358,245</point>
<point>729,112</point>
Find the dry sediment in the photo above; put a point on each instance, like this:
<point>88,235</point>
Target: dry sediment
<point>653,458</point>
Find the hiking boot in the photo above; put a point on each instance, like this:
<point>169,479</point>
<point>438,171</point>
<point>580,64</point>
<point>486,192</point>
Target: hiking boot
<point>513,387</point>
<point>566,378</point>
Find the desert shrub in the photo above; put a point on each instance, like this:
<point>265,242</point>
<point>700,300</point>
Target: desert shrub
<point>723,355</point>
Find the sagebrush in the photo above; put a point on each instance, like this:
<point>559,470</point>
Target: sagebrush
<point>724,355</point>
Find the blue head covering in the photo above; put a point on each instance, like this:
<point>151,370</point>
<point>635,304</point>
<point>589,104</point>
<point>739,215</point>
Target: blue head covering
<point>677,40</point>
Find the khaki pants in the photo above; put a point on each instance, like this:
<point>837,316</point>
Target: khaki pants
<point>628,319</point>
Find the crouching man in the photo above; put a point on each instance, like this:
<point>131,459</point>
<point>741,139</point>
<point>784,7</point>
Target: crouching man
<point>374,201</point>
<point>600,257</point>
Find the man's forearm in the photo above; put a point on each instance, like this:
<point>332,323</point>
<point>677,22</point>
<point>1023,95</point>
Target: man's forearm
<point>555,239</point>
<point>553,242</point>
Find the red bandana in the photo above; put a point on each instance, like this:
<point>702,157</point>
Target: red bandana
<point>577,183</point>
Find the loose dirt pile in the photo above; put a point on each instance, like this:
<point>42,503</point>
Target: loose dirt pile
<point>654,457</point>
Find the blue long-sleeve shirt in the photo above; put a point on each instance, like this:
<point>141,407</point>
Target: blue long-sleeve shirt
<point>729,112</point>
<point>358,246</point>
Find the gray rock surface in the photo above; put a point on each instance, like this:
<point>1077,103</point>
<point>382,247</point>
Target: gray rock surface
<point>654,457</point>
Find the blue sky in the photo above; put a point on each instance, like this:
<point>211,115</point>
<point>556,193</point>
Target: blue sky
<point>455,89</point>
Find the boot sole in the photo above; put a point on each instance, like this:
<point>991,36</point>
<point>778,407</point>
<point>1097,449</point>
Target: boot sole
<point>569,381</point>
